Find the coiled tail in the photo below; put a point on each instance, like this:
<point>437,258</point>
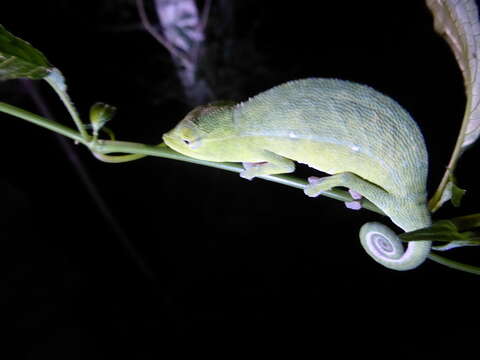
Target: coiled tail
<point>385,247</point>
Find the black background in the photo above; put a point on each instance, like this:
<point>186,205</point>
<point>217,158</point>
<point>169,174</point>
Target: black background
<point>211,258</point>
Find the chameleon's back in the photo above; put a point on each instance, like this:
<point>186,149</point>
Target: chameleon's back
<point>371,134</point>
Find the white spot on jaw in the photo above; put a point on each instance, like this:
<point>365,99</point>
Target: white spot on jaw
<point>292,135</point>
<point>355,148</point>
<point>195,144</point>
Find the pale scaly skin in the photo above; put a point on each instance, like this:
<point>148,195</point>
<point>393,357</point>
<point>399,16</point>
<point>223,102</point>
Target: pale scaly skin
<point>365,140</point>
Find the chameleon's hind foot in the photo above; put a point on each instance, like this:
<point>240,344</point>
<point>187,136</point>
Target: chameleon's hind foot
<point>355,204</point>
<point>357,186</point>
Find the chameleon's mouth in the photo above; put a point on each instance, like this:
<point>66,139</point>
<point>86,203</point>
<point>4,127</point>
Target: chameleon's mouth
<point>172,142</point>
<point>176,143</point>
<point>191,149</point>
<point>166,138</point>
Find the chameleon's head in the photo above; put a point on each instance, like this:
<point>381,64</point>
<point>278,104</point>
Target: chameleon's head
<point>200,133</point>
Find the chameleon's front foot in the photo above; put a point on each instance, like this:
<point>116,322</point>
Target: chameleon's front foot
<point>315,186</point>
<point>252,169</point>
<point>273,164</point>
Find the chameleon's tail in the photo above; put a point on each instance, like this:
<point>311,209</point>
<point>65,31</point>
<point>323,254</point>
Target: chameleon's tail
<point>384,246</point>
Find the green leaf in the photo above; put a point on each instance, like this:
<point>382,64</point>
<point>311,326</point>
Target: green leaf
<point>443,230</point>
<point>458,23</point>
<point>450,232</point>
<point>100,114</point>
<point>453,193</point>
<point>457,194</point>
<point>56,80</point>
<point>467,222</point>
<point>19,59</point>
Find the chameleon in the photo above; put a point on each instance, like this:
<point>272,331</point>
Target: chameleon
<point>364,140</point>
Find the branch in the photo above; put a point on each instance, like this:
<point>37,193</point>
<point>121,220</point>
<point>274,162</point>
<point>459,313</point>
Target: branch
<point>105,147</point>
<point>157,36</point>
<point>100,149</point>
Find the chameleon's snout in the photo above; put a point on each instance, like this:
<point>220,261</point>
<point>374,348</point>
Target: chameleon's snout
<point>174,142</point>
<point>182,141</point>
<point>167,139</point>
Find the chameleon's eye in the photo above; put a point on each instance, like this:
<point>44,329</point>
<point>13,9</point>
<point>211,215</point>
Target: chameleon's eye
<point>193,144</point>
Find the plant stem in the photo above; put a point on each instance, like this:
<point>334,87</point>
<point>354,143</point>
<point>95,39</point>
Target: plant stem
<point>41,121</point>
<point>454,264</point>
<point>125,147</point>
<point>109,146</point>
<point>434,202</point>
<point>112,146</point>
<point>60,89</point>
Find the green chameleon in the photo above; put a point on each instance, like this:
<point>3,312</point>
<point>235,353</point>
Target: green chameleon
<point>365,140</point>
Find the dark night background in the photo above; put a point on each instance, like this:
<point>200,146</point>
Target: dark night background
<point>225,261</point>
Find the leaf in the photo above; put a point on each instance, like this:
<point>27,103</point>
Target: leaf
<point>56,79</point>
<point>466,222</point>
<point>19,59</point>
<point>457,194</point>
<point>443,230</point>
<point>448,232</point>
<point>457,21</point>
<point>455,244</point>
<point>453,193</point>
<point>100,114</point>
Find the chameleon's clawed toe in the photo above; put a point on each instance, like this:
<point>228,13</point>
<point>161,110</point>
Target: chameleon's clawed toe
<point>246,175</point>
<point>312,187</point>
<point>248,165</point>
<point>251,169</point>
<point>353,205</point>
<point>355,195</point>
<point>313,180</point>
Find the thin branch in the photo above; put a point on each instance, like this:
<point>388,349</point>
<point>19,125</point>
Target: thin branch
<point>125,147</point>
<point>68,103</point>
<point>205,14</point>
<point>109,146</point>
<point>454,264</point>
<point>434,202</point>
<point>157,36</point>
<point>42,122</point>
<point>90,186</point>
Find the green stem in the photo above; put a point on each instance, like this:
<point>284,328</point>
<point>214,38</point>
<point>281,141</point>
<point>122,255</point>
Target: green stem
<point>60,89</point>
<point>41,121</point>
<point>454,264</point>
<point>434,202</point>
<point>116,159</point>
<point>103,147</point>
<point>108,146</point>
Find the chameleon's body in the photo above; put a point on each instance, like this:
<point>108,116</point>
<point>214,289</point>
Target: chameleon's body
<point>364,139</point>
